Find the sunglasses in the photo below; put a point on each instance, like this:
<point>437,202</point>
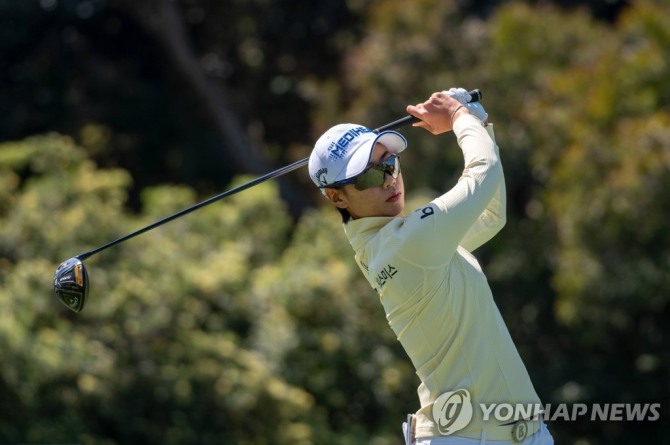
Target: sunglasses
<point>374,175</point>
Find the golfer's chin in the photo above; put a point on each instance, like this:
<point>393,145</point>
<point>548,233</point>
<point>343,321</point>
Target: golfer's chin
<point>400,211</point>
<point>395,206</point>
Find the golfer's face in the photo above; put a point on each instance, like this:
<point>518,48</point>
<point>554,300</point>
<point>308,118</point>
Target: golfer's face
<point>388,199</point>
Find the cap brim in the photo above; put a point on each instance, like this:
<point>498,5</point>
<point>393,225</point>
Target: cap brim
<point>392,140</point>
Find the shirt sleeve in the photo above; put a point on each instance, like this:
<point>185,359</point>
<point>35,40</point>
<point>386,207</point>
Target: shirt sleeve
<point>494,216</point>
<point>433,233</point>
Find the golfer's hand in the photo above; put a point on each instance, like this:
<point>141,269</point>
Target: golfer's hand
<point>438,113</point>
<point>463,96</point>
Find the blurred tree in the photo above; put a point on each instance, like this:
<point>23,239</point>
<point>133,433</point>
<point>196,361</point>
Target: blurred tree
<point>191,91</point>
<point>238,326</point>
<point>160,355</point>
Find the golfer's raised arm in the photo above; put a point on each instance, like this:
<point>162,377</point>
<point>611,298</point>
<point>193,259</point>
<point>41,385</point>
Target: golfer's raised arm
<point>445,222</point>
<point>494,216</point>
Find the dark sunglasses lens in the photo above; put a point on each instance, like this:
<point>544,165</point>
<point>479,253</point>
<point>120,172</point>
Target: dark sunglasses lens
<point>374,177</point>
<point>371,178</point>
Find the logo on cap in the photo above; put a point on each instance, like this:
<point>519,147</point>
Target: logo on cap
<point>338,149</point>
<point>321,176</point>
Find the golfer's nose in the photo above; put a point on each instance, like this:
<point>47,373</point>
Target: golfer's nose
<point>389,180</point>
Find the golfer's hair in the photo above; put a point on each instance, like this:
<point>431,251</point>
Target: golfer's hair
<point>346,217</point>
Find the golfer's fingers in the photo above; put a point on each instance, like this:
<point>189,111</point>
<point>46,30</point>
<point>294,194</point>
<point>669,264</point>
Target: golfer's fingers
<point>420,112</point>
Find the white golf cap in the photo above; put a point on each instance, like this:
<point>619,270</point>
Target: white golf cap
<point>344,151</point>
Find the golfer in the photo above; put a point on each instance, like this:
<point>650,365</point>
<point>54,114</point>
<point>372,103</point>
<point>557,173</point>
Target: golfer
<point>435,295</point>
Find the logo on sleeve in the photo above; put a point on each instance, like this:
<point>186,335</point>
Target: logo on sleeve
<point>426,212</point>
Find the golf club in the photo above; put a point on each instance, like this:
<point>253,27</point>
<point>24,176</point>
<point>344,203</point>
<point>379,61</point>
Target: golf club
<point>71,282</point>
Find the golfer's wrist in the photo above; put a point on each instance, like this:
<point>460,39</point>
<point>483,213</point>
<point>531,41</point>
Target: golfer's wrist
<point>464,121</point>
<point>458,112</point>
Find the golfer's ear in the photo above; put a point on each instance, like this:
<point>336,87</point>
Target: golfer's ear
<point>337,197</point>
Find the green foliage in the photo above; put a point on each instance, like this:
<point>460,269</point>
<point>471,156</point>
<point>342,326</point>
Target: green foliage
<point>159,353</point>
<point>226,326</point>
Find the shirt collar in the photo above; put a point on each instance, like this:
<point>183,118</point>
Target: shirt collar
<point>359,231</point>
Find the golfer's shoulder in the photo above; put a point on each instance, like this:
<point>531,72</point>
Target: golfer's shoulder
<point>403,234</point>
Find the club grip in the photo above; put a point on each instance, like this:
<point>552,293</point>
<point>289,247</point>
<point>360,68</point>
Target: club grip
<point>475,96</point>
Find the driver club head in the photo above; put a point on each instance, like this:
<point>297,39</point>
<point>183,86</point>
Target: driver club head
<point>71,284</point>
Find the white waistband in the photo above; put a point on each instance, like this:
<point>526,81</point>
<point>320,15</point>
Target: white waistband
<point>516,432</point>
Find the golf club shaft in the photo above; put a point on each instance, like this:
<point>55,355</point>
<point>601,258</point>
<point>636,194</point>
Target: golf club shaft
<point>186,211</point>
<point>475,96</point>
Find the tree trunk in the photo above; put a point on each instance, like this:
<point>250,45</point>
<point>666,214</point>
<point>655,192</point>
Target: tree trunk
<point>163,21</point>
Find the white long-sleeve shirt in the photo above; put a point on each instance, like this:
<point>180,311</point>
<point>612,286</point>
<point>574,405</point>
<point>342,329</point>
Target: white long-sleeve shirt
<point>435,295</point>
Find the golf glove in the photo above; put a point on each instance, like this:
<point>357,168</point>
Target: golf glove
<point>475,108</point>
